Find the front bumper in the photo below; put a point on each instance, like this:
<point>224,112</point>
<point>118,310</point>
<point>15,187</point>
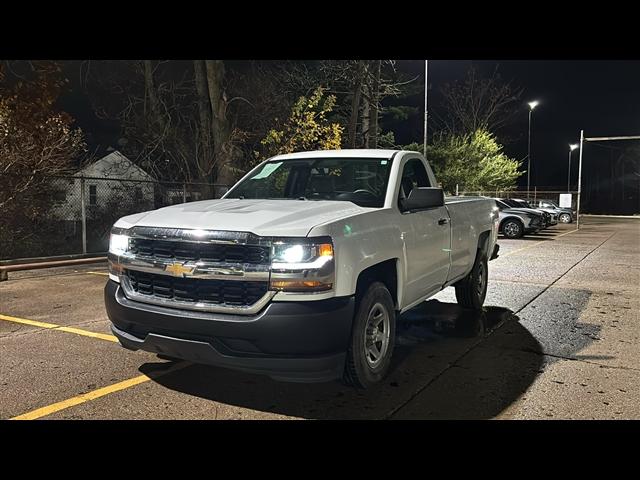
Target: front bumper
<point>292,341</point>
<point>533,224</point>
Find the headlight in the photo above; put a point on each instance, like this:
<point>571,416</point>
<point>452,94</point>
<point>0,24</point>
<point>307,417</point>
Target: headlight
<point>302,265</point>
<point>118,245</point>
<point>298,256</point>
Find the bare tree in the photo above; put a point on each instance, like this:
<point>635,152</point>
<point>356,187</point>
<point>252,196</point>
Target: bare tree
<point>224,150</point>
<point>478,102</point>
<point>176,116</point>
<point>375,104</point>
<point>355,104</point>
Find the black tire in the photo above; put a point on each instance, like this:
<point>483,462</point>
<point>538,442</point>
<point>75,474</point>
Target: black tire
<point>360,370</point>
<point>512,228</point>
<point>565,218</point>
<point>472,290</point>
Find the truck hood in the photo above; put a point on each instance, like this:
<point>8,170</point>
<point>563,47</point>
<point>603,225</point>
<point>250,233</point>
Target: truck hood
<point>262,217</point>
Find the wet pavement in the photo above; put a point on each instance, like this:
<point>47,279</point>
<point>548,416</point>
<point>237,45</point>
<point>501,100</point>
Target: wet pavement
<point>559,338</point>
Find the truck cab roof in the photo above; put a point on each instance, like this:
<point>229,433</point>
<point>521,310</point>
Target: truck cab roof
<point>346,153</point>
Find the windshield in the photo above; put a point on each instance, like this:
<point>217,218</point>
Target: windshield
<point>362,181</point>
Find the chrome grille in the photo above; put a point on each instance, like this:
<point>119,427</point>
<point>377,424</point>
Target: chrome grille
<point>212,292</point>
<point>211,271</point>
<point>206,252</point>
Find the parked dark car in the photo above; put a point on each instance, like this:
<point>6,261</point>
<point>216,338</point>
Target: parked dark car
<point>551,217</point>
<point>565,215</point>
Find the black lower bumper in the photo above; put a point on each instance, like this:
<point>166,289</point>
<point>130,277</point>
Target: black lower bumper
<point>293,341</point>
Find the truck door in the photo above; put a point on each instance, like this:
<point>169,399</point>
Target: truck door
<point>427,236</point>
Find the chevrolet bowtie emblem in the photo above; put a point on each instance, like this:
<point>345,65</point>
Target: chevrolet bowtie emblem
<point>179,270</point>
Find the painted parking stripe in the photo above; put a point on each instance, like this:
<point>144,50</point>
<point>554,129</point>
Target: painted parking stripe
<point>537,243</point>
<point>100,392</point>
<point>53,326</point>
<point>98,273</point>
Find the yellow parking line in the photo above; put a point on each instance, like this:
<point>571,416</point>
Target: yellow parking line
<point>53,326</point>
<point>537,243</point>
<point>101,392</point>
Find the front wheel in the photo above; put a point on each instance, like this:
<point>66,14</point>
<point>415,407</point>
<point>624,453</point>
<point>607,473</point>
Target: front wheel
<point>372,339</point>
<point>512,229</point>
<point>472,290</point>
<point>564,218</point>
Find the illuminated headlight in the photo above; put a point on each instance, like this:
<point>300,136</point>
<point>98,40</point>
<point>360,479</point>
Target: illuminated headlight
<point>118,245</point>
<point>302,265</point>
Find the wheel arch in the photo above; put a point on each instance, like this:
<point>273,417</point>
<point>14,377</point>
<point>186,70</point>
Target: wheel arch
<point>386,272</point>
<point>511,217</point>
<point>483,242</point>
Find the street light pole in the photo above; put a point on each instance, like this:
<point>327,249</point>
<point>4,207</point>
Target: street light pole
<point>532,105</point>
<point>572,147</point>
<point>579,178</point>
<point>569,172</point>
<point>529,156</point>
<point>426,88</point>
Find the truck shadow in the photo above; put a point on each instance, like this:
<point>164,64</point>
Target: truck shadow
<point>483,376</point>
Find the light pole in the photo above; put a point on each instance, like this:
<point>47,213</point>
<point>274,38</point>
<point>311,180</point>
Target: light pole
<point>426,88</point>
<point>579,179</point>
<point>572,147</point>
<point>532,105</point>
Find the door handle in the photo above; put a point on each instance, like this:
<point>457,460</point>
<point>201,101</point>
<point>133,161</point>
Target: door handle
<point>443,221</point>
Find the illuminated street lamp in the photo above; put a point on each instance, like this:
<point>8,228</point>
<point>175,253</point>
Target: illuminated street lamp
<point>572,147</point>
<point>532,105</point>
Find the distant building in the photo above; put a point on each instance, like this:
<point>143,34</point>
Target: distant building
<point>113,183</point>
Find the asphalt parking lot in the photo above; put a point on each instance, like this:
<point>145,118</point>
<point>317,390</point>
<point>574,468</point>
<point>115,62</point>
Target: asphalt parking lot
<point>559,338</point>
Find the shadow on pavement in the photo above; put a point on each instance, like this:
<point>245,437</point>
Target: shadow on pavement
<point>532,236</point>
<point>430,338</point>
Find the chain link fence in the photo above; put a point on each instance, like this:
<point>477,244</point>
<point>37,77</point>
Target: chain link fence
<point>73,215</point>
<point>533,196</point>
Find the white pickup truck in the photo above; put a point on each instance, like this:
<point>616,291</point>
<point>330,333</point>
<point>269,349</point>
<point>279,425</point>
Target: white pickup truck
<point>301,269</point>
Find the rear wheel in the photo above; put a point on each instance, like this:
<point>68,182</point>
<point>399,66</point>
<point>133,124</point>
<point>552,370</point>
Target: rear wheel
<point>372,339</point>
<point>472,290</point>
<point>564,218</point>
<point>512,229</point>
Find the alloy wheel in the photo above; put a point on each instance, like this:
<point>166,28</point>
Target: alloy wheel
<point>376,338</point>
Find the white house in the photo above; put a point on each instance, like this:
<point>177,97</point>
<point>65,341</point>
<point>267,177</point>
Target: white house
<point>112,182</point>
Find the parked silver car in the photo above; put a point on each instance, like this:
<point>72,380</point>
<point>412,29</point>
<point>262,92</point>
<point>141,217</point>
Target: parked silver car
<point>552,219</point>
<point>515,223</point>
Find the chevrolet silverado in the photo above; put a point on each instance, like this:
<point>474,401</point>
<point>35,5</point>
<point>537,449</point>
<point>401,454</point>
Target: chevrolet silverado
<point>300,270</point>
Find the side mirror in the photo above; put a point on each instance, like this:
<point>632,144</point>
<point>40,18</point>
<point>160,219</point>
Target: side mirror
<point>422,198</point>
